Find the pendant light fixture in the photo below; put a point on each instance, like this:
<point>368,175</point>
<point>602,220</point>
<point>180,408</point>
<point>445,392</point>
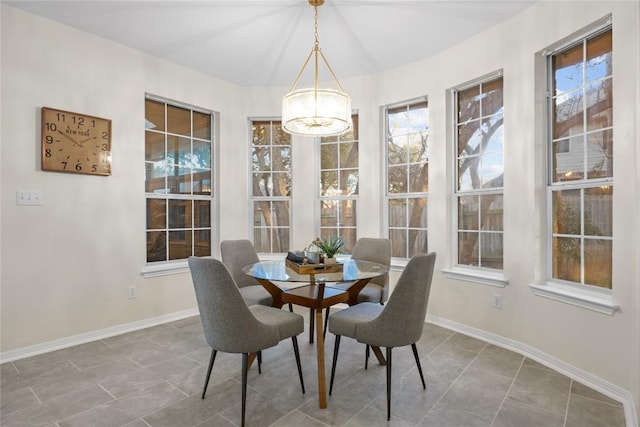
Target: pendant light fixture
<point>313,111</point>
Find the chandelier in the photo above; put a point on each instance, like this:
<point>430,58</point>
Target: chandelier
<point>312,111</point>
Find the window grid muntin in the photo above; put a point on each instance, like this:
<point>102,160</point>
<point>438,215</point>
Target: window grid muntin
<point>167,196</point>
<point>270,237</point>
<point>403,199</point>
<point>483,190</point>
<point>584,183</point>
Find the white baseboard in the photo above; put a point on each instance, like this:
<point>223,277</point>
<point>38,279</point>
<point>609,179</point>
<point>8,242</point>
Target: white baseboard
<point>608,389</point>
<point>45,347</point>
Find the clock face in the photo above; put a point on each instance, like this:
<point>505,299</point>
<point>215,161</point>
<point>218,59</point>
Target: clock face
<point>76,143</point>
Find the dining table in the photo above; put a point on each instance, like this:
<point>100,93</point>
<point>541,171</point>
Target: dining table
<point>310,285</point>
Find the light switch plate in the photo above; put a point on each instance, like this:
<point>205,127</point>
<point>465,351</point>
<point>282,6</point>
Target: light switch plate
<point>29,198</point>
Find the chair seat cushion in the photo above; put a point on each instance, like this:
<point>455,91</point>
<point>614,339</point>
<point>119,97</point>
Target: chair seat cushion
<point>344,321</point>
<point>256,294</point>
<point>289,324</point>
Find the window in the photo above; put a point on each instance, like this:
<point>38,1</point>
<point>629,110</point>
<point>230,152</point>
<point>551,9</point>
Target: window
<point>479,141</point>
<point>407,154</point>
<point>178,183</point>
<point>339,185</point>
<point>271,177</point>
<point>580,180</point>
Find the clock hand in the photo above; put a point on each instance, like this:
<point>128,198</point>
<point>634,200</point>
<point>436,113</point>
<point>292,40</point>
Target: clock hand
<point>79,144</point>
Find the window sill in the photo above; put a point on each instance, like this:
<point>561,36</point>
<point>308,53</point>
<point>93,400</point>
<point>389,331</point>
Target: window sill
<point>585,298</point>
<point>480,276</point>
<point>165,268</point>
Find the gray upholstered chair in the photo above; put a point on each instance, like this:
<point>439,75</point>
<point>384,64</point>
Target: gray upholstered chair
<point>235,255</point>
<point>398,323</point>
<point>231,326</point>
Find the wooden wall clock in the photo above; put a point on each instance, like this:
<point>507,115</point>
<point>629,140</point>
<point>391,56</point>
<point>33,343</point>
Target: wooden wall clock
<point>75,142</point>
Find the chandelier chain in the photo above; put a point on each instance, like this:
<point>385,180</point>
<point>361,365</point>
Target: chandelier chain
<point>315,27</point>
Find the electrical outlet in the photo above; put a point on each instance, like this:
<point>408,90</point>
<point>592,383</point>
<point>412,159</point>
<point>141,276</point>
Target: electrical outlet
<point>497,300</point>
<point>32,198</point>
<point>133,292</point>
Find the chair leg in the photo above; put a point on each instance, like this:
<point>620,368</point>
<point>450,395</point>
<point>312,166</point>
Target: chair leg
<point>336,347</point>
<point>312,316</point>
<point>415,354</point>
<point>290,308</point>
<point>245,363</point>
<point>389,383</point>
<point>211,360</point>
<point>366,356</point>
<point>297,353</point>
<point>326,323</point>
<point>259,362</point>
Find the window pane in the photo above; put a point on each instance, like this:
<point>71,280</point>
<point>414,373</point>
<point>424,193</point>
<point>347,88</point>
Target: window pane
<point>419,178</point>
<point>567,70</point>
<point>398,239</point>
<point>201,125</point>
<point>280,240</point>
<point>262,239</point>
<point>492,170</point>
<point>329,156</point>
<point>599,105</point>
<point>491,213</point>
<point>492,97</point>
<point>155,177</point>
<point>202,246</point>
<point>179,213</point>
<point>262,184</point>
<point>348,213</point>
<point>202,214</point>
<point>566,212</point>
<point>468,248</point>
<point>154,115</point>
<point>349,182</point>
<point>418,212</point>
<point>178,150</point>
<point>597,265</point>
<point>349,155</point>
<point>156,213</point>
<point>328,183</point>
<point>566,259</point>
<point>599,58</point>
<point>418,242</point>
<point>492,250</point>
<point>180,246</point>
<point>568,159</point>
<point>468,207</point>
<point>156,246</point>
<point>180,180</point>
<point>397,178</point>
<point>398,212</point>
<point>154,146</point>
<point>468,173</point>
<point>418,147</point>
<point>329,213</point>
<point>201,154</point>
<point>397,151</point>
<point>178,120</point>
<point>600,154</point>
<point>568,114</point>
<point>468,106</point>
<point>281,184</point>
<point>281,212</point>
<point>598,211</point>
<point>469,139</point>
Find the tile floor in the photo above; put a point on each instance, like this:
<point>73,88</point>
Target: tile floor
<point>153,377</point>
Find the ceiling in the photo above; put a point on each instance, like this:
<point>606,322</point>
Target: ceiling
<point>265,42</point>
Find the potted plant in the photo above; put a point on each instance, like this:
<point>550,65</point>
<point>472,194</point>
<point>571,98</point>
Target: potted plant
<point>329,247</point>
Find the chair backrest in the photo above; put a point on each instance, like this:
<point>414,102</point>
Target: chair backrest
<point>237,254</point>
<point>375,250</point>
<point>401,321</point>
<point>229,326</point>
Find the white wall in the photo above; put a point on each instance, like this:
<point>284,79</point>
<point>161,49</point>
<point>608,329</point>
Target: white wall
<point>66,266</point>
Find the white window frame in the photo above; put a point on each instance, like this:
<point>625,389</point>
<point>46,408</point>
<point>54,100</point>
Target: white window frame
<point>407,196</point>
<point>168,267</point>
<point>472,274</point>
<point>253,198</point>
<point>581,295</point>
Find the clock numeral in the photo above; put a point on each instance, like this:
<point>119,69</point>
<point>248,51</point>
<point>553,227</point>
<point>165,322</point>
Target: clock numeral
<point>51,126</point>
<point>105,135</point>
<point>78,120</point>
<point>47,152</point>
<point>49,139</point>
<point>64,165</point>
<point>104,147</point>
<point>61,117</point>
<point>78,167</point>
<point>93,123</point>
<point>94,168</point>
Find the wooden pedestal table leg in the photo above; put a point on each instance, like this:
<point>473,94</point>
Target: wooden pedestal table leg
<point>322,381</point>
